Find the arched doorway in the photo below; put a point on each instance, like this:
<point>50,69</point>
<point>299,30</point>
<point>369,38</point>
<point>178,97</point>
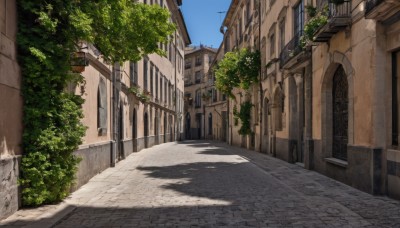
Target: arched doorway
<point>340,112</point>
<point>146,130</point>
<point>187,126</point>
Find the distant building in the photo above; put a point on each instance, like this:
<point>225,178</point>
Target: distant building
<point>197,66</point>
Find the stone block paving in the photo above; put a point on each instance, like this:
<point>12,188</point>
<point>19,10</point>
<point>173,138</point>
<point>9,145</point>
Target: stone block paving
<point>209,184</point>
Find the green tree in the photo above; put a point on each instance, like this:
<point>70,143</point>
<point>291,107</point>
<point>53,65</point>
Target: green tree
<point>48,33</point>
<point>238,69</point>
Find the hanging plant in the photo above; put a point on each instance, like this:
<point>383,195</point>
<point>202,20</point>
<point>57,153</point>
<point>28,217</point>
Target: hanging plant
<point>206,96</point>
<point>142,96</point>
<point>312,26</point>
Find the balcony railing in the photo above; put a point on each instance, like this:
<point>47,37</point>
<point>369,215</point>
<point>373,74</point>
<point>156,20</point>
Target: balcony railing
<point>292,49</point>
<point>339,17</point>
<point>382,10</point>
<point>371,4</point>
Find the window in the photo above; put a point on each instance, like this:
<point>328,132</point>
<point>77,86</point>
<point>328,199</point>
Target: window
<point>145,65</point>
<point>226,44</point>
<point>165,90</point>
<point>133,70</point>
<point>198,99</point>
<point>198,77</point>
<point>272,44</point>
<point>282,34</point>
<point>151,78</point>
<point>198,61</point>
<point>102,107</point>
<point>214,95</point>
<point>188,64</point>
<point>298,19</point>
<point>161,88</point>
<point>156,79</point>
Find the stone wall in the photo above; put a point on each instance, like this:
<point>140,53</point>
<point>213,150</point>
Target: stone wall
<point>95,159</point>
<point>9,193</point>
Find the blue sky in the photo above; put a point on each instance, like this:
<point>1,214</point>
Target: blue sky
<point>203,20</point>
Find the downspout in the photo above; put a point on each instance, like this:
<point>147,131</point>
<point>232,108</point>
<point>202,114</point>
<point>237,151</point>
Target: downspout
<point>113,119</point>
<point>176,93</point>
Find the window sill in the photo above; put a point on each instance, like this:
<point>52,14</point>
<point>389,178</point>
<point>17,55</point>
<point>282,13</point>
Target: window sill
<point>337,162</point>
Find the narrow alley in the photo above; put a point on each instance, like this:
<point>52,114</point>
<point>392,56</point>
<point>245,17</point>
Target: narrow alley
<point>207,184</point>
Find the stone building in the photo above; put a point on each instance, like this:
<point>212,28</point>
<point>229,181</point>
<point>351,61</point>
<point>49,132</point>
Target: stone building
<point>197,65</point>
<point>127,107</point>
<point>241,29</point>
<point>330,105</point>
<point>216,106</point>
<point>11,108</point>
<point>134,105</point>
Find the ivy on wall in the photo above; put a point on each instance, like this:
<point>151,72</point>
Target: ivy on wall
<point>239,69</point>
<point>48,32</point>
<point>245,116</point>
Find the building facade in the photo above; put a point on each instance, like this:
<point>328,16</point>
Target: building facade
<point>134,105</point>
<point>128,107</point>
<point>11,109</point>
<point>197,66</point>
<point>329,104</point>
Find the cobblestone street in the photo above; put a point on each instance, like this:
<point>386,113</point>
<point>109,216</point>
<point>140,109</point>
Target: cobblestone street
<point>204,184</point>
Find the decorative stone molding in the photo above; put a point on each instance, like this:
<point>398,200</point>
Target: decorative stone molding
<point>332,63</point>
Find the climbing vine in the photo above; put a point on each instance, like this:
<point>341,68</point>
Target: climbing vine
<point>244,115</point>
<point>48,32</point>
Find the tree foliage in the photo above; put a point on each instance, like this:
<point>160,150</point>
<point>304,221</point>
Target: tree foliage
<point>48,33</point>
<point>238,69</point>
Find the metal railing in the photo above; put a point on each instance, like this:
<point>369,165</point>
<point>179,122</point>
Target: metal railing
<point>371,4</point>
<point>340,11</point>
<point>291,49</point>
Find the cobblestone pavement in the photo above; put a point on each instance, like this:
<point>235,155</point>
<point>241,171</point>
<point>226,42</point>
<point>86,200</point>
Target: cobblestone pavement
<point>206,184</point>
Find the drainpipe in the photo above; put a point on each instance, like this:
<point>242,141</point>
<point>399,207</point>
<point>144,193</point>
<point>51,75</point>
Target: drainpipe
<point>309,148</point>
<point>260,76</point>
<point>176,93</point>
<point>113,118</point>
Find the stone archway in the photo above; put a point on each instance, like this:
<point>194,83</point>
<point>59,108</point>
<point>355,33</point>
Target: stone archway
<point>335,62</point>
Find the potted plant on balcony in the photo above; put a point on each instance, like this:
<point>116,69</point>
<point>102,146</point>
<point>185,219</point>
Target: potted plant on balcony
<point>206,96</point>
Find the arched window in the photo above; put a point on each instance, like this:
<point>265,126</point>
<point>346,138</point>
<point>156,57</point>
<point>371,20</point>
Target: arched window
<point>102,107</point>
